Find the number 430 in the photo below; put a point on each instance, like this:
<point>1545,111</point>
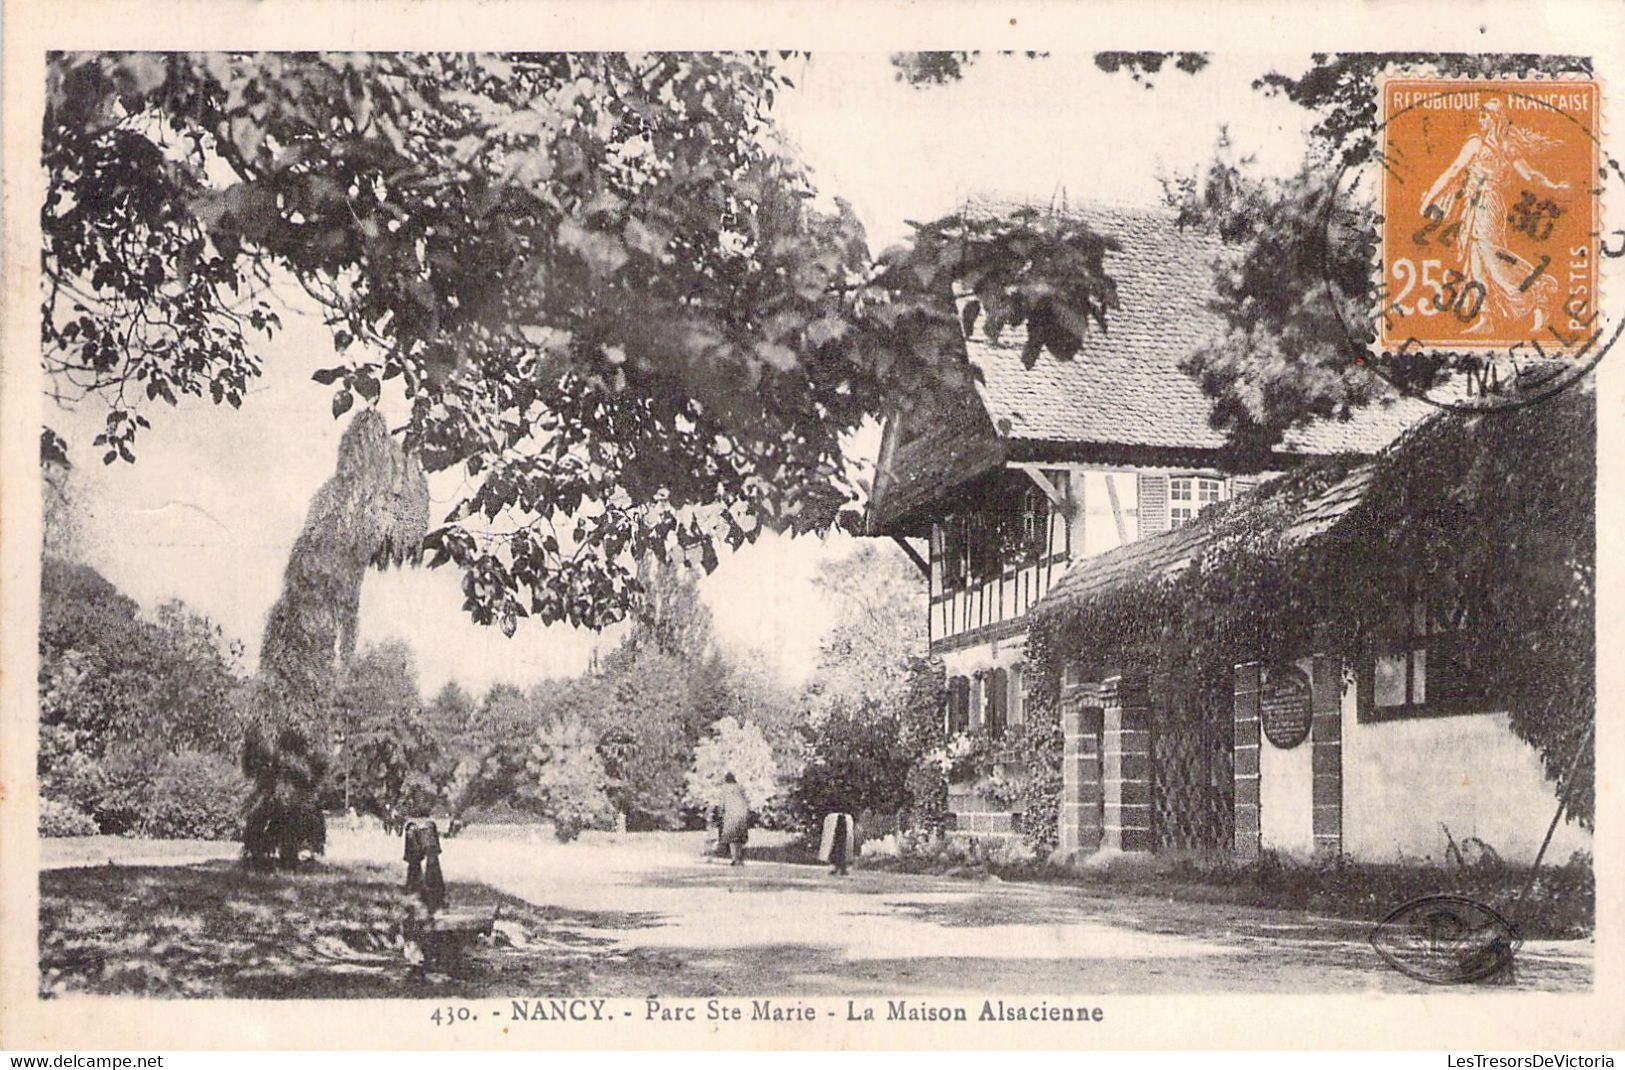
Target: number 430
<point>1449,293</point>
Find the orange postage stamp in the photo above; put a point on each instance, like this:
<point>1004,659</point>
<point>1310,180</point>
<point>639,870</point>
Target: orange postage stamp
<point>1489,213</point>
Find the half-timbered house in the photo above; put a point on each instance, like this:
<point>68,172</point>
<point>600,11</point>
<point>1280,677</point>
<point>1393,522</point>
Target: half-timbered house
<point>999,491</point>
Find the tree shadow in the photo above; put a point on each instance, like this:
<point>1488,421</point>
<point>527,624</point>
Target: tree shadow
<point>221,930</point>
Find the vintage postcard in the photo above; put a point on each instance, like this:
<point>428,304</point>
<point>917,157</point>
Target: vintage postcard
<point>1059,527</point>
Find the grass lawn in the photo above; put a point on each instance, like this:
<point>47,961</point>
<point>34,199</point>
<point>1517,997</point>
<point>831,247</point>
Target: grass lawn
<point>221,930</point>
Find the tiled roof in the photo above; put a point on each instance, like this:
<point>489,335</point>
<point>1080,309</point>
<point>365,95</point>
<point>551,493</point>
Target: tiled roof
<point>1169,552</point>
<point>952,444</point>
<point>1122,391</point>
<point>1124,386</point>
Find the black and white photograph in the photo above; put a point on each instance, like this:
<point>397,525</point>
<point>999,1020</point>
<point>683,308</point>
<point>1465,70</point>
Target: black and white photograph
<point>796,542</point>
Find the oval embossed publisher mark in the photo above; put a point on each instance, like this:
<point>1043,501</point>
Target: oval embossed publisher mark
<point>1446,939</point>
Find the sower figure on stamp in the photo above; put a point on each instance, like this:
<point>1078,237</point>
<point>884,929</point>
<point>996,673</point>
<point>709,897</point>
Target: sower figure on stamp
<point>735,819</point>
<point>1477,184</point>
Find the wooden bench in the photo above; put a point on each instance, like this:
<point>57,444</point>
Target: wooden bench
<point>444,936</point>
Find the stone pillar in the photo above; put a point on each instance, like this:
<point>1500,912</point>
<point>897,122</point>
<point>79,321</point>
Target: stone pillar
<point>1248,842</point>
<point>1126,764</point>
<point>1326,758</point>
<point>1080,824</point>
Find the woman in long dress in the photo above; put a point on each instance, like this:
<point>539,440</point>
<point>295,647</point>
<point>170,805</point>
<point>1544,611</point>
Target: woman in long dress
<point>735,818</point>
<point>1476,207</point>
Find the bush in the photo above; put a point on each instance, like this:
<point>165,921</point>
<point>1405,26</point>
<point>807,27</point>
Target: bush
<point>112,789</point>
<point>738,748</point>
<point>194,796</point>
<point>567,783</point>
<point>64,819</point>
<point>858,761</point>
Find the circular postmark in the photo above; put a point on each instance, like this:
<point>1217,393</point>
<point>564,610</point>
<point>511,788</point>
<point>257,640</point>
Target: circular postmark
<point>1446,939</point>
<point>1465,257</point>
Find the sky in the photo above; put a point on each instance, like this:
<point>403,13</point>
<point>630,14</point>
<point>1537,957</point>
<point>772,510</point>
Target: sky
<point>212,506</point>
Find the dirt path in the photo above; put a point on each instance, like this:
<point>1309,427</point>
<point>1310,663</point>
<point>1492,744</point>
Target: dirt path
<point>775,928</point>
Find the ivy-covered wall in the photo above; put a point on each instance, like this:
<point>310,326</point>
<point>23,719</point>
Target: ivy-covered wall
<point>1487,517</point>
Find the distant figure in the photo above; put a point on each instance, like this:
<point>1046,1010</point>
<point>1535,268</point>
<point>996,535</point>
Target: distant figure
<point>838,844</point>
<point>423,863</point>
<point>735,819</point>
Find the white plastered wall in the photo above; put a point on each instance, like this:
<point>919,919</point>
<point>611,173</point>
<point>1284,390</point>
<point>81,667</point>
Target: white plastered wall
<point>1404,780</point>
<point>1286,795</point>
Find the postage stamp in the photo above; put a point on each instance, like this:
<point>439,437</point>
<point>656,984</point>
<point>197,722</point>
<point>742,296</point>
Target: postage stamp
<point>1489,215</point>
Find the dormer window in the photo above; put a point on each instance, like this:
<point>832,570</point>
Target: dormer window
<point>1189,495</point>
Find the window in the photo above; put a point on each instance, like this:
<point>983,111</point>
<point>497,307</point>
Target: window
<point>983,550</point>
<point>1399,677</point>
<point>1018,696</point>
<point>1034,531</point>
<point>1189,495</point>
<point>1427,670</point>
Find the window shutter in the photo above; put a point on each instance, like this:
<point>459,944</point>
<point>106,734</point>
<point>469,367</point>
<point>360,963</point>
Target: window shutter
<point>997,702</point>
<point>1153,510</point>
<point>1018,695</point>
<point>958,705</point>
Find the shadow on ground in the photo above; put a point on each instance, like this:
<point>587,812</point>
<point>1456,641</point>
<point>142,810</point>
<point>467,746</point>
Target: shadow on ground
<point>222,930</point>
<point>1086,940</point>
<point>606,923</point>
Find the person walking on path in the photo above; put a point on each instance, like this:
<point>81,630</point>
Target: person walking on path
<point>735,819</point>
<point>839,841</point>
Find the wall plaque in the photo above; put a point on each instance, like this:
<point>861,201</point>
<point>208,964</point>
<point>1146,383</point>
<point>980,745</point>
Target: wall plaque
<point>1284,706</point>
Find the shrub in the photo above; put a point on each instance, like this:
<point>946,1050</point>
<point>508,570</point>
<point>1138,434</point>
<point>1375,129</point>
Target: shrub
<point>927,787</point>
<point>858,761</point>
<point>58,818</point>
<point>738,748</point>
<point>567,780</point>
<point>114,789</point>
<point>194,796</point>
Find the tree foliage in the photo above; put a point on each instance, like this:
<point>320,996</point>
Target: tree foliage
<point>566,780</point>
<point>122,692</point>
<point>599,281</point>
<point>287,774</point>
<point>737,747</point>
<point>878,630</point>
<point>875,700</point>
<point>645,722</point>
<point>389,747</point>
<point>1143,67</point>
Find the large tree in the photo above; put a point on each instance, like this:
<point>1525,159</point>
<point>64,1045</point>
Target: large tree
<point>599,280</point>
